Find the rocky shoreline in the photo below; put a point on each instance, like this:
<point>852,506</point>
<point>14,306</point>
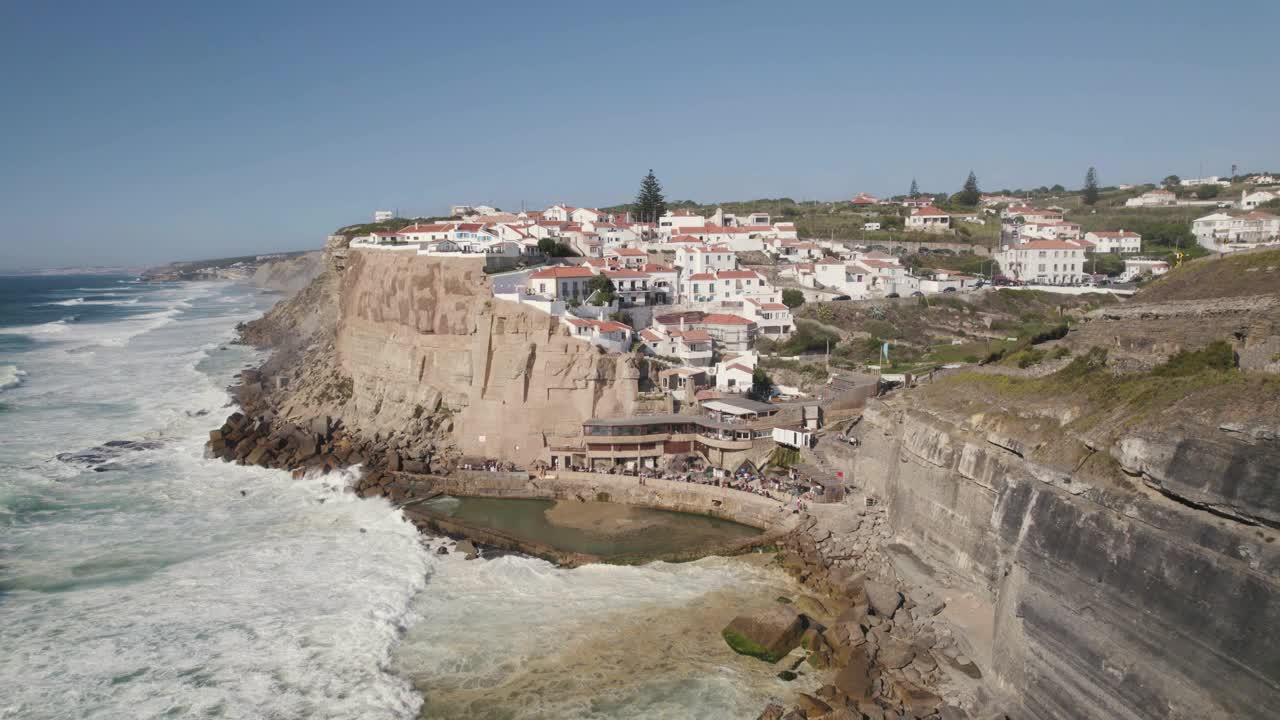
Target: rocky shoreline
<point>885,654</point>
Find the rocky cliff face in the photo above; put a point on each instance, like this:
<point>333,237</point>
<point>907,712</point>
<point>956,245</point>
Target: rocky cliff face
<point>290,274</point>
<point>1155,597</point>
<point>416,347</point>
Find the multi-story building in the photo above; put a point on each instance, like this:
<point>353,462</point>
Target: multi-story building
<point>1046,262</point>
<point>1120,241</point>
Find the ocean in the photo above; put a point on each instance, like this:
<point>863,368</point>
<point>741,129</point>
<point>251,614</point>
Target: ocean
<point>141,580</point>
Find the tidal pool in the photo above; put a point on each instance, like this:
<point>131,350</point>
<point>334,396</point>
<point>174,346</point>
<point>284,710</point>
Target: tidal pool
<point>609,531</point>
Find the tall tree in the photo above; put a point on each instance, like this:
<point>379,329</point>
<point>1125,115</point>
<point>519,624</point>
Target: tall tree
<point>1091,187</point>
<point>650,204</point>
<point>1171,181</point>
<point>915,188</point>
<point>970,195</point>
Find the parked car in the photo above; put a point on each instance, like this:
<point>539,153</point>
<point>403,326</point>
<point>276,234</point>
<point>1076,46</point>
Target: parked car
<point>842,297</point>
<point>948,289</point>
<point>893,295</point>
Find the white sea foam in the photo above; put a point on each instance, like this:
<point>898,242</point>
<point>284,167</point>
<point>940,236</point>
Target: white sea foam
<point>10,376</point>
<point>159,588</point>
<point>72,301</point>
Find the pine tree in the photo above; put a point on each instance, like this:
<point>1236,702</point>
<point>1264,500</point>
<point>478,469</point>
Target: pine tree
<point>915,188</point>
<point>1091,187</point>
<point>970,195</point>
<point>650,204</point>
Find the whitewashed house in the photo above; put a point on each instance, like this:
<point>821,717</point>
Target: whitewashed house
<point>928,219</point>
<point>695,259</point>
<point>1153,198</point>
<point>611,335</point>
<point>773,319</point>
<point>1046,262</point>
<point>676,221</point>
<point>1251,200</point>
<point>1120,241</point>
<point>561,282</point>
<point>1137,267</point>
<point>1049,230</point>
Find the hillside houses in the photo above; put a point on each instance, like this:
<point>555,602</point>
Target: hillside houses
<point>1223,231</point>
<point>1120,241</point>
<point>928,219</point>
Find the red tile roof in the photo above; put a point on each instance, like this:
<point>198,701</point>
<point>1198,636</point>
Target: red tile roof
<point>725,319</point>
<point>560,272</point>
<point>737,275</point>
<point>933,211</point>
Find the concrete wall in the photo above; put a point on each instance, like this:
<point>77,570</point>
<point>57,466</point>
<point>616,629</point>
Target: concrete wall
<point>735,505</point>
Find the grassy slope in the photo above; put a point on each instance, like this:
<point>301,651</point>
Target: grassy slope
<point>1236,275</point>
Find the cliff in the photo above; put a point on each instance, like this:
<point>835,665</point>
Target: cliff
<point>289,274</point>
<point>1117,518</point>
<point>415,347</point>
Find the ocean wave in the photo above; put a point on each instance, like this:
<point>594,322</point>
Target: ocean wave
<point>72,301</point>
<point>11,376</point>
<point>57,327</point>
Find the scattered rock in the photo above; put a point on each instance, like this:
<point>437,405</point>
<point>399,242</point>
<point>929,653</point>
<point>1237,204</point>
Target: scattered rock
<point>811,706</point>
<point>884,600</point>
<point>895,654</point>
<point>768,634</point>
<point>854,679</point>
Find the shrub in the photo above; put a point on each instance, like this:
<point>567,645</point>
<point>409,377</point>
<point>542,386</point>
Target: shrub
<point>1214,356</point>
<point>792,298</point>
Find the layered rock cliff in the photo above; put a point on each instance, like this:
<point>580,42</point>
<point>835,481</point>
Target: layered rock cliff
<point>416,347</point>
<point>1105,600</point>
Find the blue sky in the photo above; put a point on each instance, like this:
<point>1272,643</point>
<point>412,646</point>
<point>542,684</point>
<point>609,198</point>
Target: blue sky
<point>138,132</point>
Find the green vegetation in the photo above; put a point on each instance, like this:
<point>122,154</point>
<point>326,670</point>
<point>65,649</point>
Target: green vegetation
<point>970,195</point>
<point>650,204</point>
<point>1090,194</point>
<point>761,385</point>
<point>745,646</point>
<point>1215,356</point>
<point>1202,378</point>
<point>555,248</point>
<point>602,287</point>
<point>809,337</point>
<point>1235,275</point>
<point>792,298</point>
<point>392,225</point>
<point>809,371</point>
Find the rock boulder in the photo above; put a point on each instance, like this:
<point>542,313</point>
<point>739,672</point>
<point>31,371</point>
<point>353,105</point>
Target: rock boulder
<point>768,634</point>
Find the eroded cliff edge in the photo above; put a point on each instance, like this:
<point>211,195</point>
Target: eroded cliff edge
<point>1112,591</point>
<point>415,348</point>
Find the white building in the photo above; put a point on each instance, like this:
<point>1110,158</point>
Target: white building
<point>1120,241</point>
<point>1211,180</point>
<point>928,219</point>
<point>1026,213</point>
<point>561,282</point>
<point>696,259</point>
<point>1046,262</point>
<point>1049,230</point>
<point>726,285</point>
<point>773,319</point>
<point>675,222</point>
<point>1153,198</point>
<point>1136,267</point>
<point>382,215</point>
<point>608,334</point>
<point>1251,200</point>
<point>1219,229</point>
